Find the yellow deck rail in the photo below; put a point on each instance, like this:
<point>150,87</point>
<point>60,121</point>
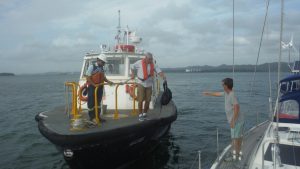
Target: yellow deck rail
<point>116,113</point>
<point>74,110</point>
<point>158,85</point>
<point>134,112</point>
<point>96,102</point>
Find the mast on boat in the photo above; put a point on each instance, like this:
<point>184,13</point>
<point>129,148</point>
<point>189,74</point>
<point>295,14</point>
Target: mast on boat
<point>276,150</point>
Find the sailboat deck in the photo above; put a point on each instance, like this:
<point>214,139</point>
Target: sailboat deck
<point>250,140</point>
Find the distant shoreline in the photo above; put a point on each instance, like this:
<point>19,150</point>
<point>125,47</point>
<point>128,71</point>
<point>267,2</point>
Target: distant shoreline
<point>7,74</point>
<point>194,69</point>
<point>273,67</point>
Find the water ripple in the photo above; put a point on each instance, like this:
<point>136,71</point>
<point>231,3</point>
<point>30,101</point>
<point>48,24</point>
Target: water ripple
<point>199,117</point>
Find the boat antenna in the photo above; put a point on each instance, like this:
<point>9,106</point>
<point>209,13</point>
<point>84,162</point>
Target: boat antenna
<point>119,27</point>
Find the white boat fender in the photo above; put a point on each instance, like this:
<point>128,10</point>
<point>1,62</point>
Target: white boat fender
<point>40,116</point>
<point>68,153</point>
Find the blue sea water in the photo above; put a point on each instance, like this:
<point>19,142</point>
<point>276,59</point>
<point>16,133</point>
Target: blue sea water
<point>23,96</point>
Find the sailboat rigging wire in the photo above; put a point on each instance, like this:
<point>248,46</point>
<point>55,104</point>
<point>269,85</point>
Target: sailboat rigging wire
<point>260,43</point>
<point>270,97</point>
<point>233,39</point>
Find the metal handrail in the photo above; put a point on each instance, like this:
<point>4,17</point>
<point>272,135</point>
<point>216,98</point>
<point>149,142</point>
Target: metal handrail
<point>116,113</point>
<point>96,102</point>
<point>158,85</point>
<point>74,98</point>
<point>134,112</point>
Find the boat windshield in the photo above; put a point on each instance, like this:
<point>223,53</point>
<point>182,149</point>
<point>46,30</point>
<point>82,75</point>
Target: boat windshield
<point>289,109</point>
<point>290,86</point>
<point>115,66</point>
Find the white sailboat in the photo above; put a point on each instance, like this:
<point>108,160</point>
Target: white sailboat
<point>274,143</point>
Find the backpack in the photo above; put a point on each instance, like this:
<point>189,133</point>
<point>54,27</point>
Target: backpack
<point>167,94</point>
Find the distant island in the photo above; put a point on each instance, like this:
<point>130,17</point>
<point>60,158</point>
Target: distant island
<point>7,74</point>
<point>228,68</point>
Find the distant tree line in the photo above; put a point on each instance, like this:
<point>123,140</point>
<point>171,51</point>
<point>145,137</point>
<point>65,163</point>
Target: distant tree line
<point>228,68</point>
<point>7,74</point>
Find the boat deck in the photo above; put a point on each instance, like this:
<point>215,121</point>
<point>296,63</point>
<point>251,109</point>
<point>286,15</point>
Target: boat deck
<point>58,121</point>
<point>250,140</point>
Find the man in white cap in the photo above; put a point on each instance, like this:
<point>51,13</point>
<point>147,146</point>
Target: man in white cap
<point>145,72</point>
<point>95,76</point>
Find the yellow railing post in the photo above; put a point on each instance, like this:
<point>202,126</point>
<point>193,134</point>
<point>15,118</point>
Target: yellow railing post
<point>74,110</point>
<point>158,85</point>
<point>80,109</point>
<point>74,98</point>
<point>134,110</point>
<point>116,114</point>
<point>96,103</point>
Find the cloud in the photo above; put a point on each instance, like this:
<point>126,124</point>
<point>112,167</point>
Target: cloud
<point>178,33</point>
<point>68,42</point>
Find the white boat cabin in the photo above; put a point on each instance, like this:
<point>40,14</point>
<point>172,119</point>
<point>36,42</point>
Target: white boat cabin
<point>117,70</point>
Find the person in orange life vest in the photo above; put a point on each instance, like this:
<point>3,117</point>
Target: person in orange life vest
<point>95,76</point>
<point>145,71</point>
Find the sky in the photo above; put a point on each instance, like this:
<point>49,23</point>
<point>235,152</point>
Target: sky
<point>38,36</point>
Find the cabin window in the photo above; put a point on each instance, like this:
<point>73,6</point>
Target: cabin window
<point>296,85</point>
<point>289,109</point>
<point>290,86</point>
<point>115,66</point>
<point>284,87</point>
<point>289,154</point>
<point>86,66</point>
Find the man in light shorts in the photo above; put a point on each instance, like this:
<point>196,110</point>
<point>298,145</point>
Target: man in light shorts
<point>234,116</point>
<point>145,72</point>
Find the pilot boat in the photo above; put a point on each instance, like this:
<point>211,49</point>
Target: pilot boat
<point>123,137</point>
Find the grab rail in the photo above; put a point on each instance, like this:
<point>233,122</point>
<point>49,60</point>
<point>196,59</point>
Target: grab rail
<point>74,110</point>
<point>157,85</point>
<point>116,113</point>
<point>96,102</point>
<point>134,112</point>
